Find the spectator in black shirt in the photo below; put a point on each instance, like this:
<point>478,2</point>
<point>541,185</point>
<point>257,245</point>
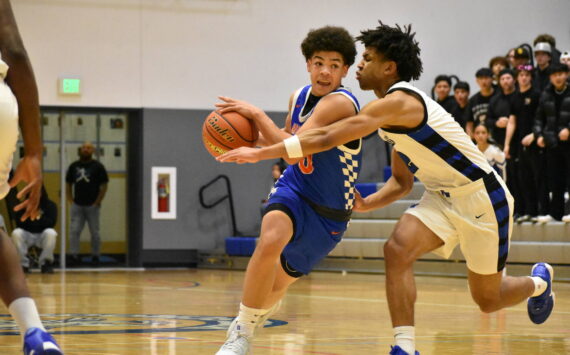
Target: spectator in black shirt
<point>502,120</point>
<point>552,127</point>
<point>38,232</point>
<point>460,110</point>
<point>531,175</point>
<point>542,54</point>
<point>479,103</point>
<point>89,180</point>
<point>442,88</point>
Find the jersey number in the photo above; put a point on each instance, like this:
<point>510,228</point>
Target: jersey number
<point>306,165</point>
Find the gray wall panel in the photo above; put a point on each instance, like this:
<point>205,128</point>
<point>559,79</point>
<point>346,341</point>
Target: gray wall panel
<point>173,138</point>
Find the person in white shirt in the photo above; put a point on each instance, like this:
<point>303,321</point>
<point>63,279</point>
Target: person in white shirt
<point>495,156</point>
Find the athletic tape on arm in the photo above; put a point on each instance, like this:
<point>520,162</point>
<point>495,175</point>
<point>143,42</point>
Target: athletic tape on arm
<point>293,147</point>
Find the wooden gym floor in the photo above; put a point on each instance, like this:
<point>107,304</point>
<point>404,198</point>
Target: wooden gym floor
<point>175,312</point>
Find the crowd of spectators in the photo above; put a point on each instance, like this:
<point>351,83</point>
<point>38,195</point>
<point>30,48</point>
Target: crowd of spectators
<point>520,119</point>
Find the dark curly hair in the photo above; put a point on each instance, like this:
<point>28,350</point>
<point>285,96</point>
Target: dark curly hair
<point>330,39</point>
<point>397,45</point>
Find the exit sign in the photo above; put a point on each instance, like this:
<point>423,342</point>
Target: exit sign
<point>69,86</point>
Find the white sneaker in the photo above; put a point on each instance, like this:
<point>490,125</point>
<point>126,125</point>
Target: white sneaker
<point>566,219</point>
<point>261,320</point>
<point>236,344</point>
<point>544,219</point>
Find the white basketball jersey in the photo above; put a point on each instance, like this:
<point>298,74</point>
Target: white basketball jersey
<point>8,130</point>
<point>3,68</point>
<point>438,152</point>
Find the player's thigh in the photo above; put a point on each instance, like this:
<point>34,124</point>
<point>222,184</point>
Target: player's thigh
<point>276,229</point>
<point>413,238</point>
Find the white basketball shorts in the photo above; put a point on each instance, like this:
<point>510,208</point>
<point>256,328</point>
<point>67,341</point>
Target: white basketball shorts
<point>477,216</point>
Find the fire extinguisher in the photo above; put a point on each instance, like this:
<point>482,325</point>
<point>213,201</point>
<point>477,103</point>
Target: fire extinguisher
<point>162,196</point>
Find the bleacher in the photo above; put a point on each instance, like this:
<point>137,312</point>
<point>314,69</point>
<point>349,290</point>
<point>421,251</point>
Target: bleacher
<point>362,246</point>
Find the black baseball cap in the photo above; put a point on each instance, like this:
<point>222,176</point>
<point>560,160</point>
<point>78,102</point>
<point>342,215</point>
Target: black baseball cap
<point>522,52</point>
<point>484,72</point>
<point>557,68</point>
<point>506,71</point>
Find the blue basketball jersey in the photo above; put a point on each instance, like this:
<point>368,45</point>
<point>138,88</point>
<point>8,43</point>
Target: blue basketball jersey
<point>325,178</point>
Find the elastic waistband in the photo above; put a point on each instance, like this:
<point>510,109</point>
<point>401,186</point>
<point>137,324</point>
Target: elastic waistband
<point>488,181</point>
<point>330,213</point>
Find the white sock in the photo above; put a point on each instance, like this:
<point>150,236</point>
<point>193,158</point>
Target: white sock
<point>406,338</point>
<point>25,314</point>
<point>539,286</point>
<point>248,319</point>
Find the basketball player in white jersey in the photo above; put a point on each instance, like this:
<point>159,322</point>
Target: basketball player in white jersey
<point>19,103</point>
<point>465,202</point>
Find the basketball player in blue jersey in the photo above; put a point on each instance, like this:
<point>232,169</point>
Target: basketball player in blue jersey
<point>310,204</point>
<point>19,102</point>
<point>465,202</point>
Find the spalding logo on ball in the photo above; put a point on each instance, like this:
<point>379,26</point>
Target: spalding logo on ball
<point>224,132</point>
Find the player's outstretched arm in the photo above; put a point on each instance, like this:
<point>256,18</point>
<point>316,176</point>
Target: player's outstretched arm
<point>396,110</point>
<point>397,186</point>
<point>22,83</point>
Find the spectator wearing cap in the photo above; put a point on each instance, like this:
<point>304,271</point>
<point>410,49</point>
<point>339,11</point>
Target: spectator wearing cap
<point>532,162</point>
<point>545,37</point>
<point>501,119</point>
<point>521,57</point>
<point>442,88</point>
<point>460,110</point>
<point>552,127</point>
<point>542,54</point>
<point>479,103</point>
<point>496,64</point>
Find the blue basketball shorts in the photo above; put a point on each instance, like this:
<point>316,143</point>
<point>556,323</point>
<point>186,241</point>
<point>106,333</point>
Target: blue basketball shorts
<point>313,237</point>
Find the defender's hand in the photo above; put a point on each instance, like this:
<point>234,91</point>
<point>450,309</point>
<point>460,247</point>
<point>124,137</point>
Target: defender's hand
<point>240,155</point>
<point>359,203</point>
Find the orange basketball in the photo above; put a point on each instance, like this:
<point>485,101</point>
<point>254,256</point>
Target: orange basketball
<point>224,132</point>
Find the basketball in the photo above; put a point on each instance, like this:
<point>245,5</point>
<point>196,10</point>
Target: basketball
<point>224,132</point>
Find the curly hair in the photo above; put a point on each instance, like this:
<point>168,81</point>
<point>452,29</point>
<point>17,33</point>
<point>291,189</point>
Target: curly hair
<point>397,45</point>
<point>330,39</point>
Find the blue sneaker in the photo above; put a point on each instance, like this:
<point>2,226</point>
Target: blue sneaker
<point>540,307</point>
<point>396,350</point>
<point>40,342</point>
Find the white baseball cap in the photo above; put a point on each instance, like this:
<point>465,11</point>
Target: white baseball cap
<point>542,47</point>
<point>565,55</point>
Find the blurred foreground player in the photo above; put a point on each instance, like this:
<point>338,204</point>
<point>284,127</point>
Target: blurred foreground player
<point>19,100</point>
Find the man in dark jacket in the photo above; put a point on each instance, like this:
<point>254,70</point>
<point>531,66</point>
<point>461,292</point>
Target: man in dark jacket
<point>552,127</point>
<point>501,120</point>
<point>39,233</point>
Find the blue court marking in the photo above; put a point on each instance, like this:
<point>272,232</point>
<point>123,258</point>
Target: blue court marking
<point>149,323</point>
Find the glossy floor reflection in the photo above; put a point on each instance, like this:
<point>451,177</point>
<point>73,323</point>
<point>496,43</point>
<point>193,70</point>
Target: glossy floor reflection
<point>187,312</point>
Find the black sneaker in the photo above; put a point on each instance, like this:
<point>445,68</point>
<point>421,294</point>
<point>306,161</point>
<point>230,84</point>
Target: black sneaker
<point>47,267</point>
<point>95,261</point>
